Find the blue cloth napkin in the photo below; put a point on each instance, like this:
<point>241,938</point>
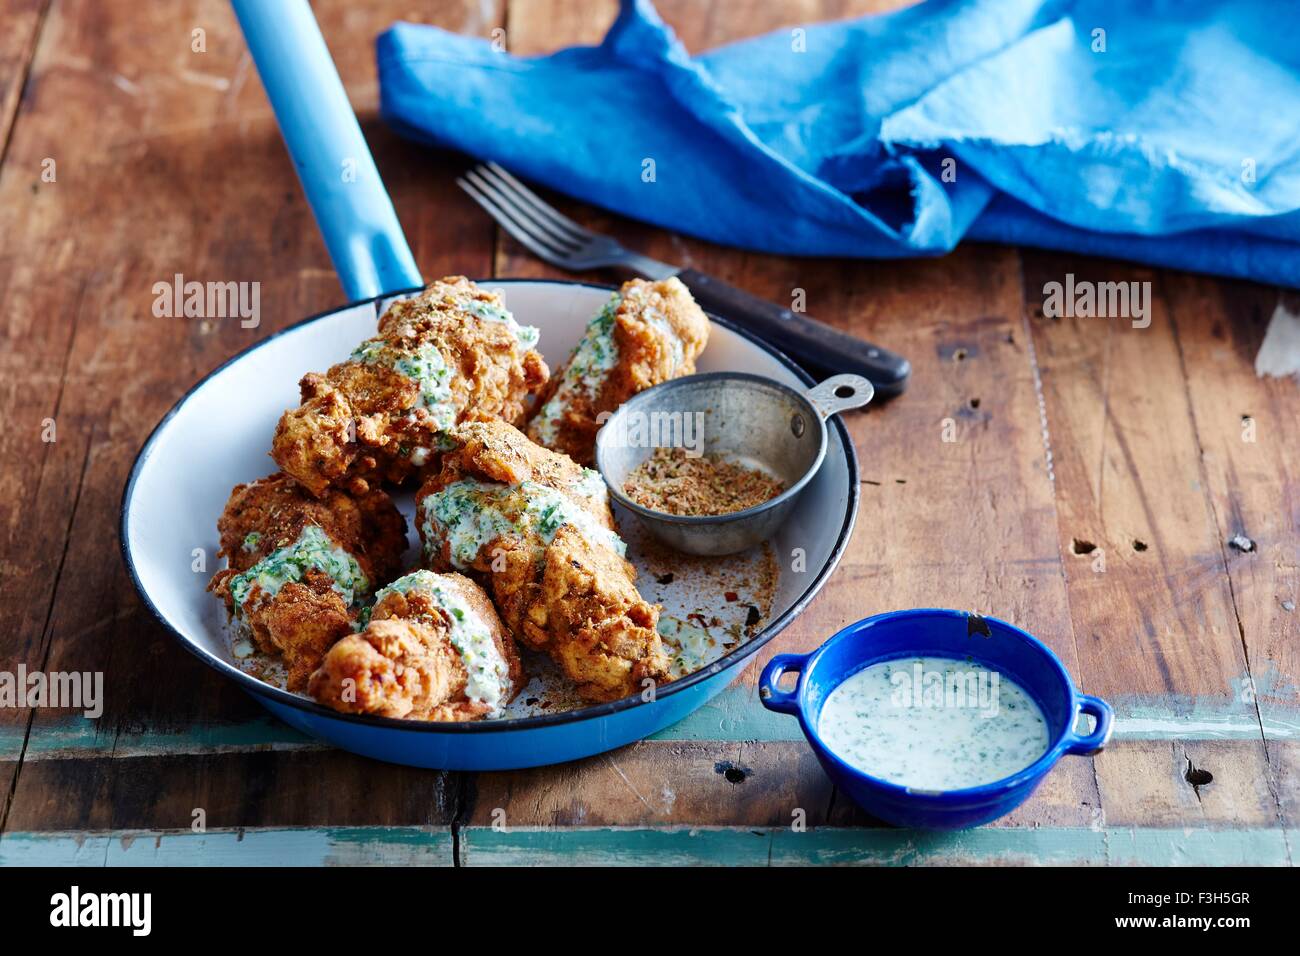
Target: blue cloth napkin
<point>1162,132</point>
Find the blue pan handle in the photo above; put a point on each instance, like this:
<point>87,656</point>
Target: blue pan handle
<point>1095,741</point>
<point>334,164</point>
<point>773,697</point>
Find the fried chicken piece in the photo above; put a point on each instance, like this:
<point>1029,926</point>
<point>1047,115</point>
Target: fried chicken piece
<point>593,620</point>
<point>299,567</point>
<point>434,649</point>
<point>648,333</point>
<point>449,353</point>
<point>535,529</point>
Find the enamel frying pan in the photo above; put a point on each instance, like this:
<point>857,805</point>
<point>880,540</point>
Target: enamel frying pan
<point>218,434</point>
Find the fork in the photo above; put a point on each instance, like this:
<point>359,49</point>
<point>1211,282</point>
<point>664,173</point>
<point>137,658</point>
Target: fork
<point>557,239</point>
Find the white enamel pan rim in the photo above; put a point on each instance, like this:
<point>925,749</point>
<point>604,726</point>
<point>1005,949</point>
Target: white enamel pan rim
<point>251,684</point>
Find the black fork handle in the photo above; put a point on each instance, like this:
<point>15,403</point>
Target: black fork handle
<point>819,348</point>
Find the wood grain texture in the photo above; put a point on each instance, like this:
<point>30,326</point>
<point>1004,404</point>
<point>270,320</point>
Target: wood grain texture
<point>1151,598</point>
<point>1019,436</point>
<point>1251,468</point>
<point>168,161</point>
<point>957,509</point>
<point>306,789</point>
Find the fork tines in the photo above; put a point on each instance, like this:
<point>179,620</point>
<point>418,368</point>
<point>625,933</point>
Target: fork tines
<point>535,224</point>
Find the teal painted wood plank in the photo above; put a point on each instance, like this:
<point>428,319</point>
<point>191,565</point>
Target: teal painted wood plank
<point>335,846</point>
<point>729,846</point>
<point>79,737</point>
<point>652,846</point>
<point>734,715</point>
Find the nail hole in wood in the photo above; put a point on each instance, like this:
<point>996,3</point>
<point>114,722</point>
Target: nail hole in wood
<point>1139,544</point>
<point>1198,777</point>
<point>959,355</point>
<point>730,772</point>
<point>974,403</point>
<point>1080,546</point>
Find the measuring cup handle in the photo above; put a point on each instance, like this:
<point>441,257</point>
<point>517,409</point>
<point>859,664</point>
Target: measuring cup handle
<point>839,393</point>
<point>334,164</point>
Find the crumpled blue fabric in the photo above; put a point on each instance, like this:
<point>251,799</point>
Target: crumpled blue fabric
<point>1160,132</point>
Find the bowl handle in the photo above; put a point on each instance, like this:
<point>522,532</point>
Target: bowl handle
<point>1095,741</point>
<point>772,697</point>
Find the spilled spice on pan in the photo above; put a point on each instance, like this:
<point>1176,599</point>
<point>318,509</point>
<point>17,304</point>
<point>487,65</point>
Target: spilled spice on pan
<point>676,483</point>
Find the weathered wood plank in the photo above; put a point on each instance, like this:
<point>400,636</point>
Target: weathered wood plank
<point>967,522</point>
<point>1251,468</point>
<point>654,784</point>
<point>734,716</point>
<point>1165,783</point>
<point>326,846</point>
<point>168,162</point>
<point>846,846</point>
<point>1150,597</point>
<point>299,789</point>
<point>663,846</point>
<point>23,20</point>
<point>1148,590</point>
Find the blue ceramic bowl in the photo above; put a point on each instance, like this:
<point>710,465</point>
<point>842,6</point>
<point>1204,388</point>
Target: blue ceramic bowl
<point>937,633</point>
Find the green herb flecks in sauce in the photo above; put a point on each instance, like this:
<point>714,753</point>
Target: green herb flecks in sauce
<point>489,675</point>
<point>425,366</point>
<point>313,551</point>
<point>933,723</point>
<point>469,514</point>
<point>592,486</point>
<point>689,647</point>
<point>525,335</point>
<point>595,356</point>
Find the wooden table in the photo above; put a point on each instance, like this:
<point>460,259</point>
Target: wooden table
<point>1096,475</point>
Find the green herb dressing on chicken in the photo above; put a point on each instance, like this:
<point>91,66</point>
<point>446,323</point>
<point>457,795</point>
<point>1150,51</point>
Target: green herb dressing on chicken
<point>489,675</point>
<point>526,335</point>
<point>593,359</point>
<point>592,486</point>
<point>469,513</point>
<point>312,551</point>
<point>425,366</point>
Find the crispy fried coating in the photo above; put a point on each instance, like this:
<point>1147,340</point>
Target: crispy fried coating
<point>654,333</point>
<point>500,452</point>
<point>406,662</point>
<point>549,562</point>
<point>450,353</point>
<point>593,621</point>
<point>300,623</point>
<point>297,609</point>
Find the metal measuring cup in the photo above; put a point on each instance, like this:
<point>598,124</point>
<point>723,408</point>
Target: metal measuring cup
<point>748,419</point>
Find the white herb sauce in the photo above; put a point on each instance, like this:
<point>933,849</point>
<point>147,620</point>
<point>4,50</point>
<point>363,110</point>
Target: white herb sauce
<point>313,550</point>
<point>489,675</point>
<point>593,359</point>
<point>933,723</point>
<point>469,514</point>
